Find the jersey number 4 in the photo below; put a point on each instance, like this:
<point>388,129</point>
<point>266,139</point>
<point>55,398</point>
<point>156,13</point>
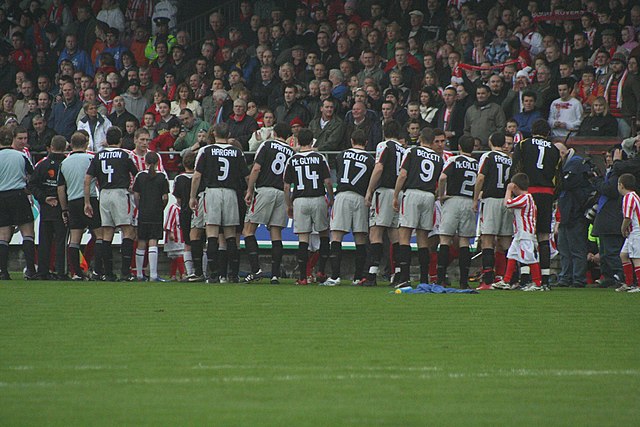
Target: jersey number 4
<point>107,170</point>
<point>313,177</point>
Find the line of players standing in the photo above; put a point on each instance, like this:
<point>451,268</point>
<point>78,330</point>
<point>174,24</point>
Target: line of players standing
<point>421,188</point>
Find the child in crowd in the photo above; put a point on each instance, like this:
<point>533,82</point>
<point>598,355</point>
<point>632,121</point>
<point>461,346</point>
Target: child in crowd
<point>512,129</point>
<point>630,253</point>
<point>151,190</point>
<point>523,248</point>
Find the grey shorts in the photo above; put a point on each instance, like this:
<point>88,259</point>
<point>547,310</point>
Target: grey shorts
<point>268,208</point>
<point>458,217</point>
<point>416,209</point>
<point>495,218</point>
<point>350,213</point>
<point>221,207</point>
<point>381,212</point>
<point>116,207</point>
<point>310,214</point>
<point>197,218</point>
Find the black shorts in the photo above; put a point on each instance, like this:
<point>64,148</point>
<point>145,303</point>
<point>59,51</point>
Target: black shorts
<point>15,208</point>
<point>150,231</point>
<point>544,205</point>
<point>185,226</point>
<point>77,218</point>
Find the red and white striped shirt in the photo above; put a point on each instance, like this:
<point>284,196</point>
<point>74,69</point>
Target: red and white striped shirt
<point>631,210</point>
<point>172,224</point>
<point>446,155</point>
<point>524,216</point>
<point>141,164</point>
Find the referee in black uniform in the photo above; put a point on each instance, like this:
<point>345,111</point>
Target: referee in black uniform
<point>15,208</point>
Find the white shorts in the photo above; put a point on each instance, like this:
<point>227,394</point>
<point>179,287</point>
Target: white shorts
<point>632,246</point>
<point>437,219</point>
<point>458,217</point>
<point>381,212</point>
<point>116,207</point>
<point>416,209</point>
<point>221,207</point>
<point>524,251</point>
<point>495,218</point>
<point>268,208</point>
<point>310,214</point>
<point>349,213</point>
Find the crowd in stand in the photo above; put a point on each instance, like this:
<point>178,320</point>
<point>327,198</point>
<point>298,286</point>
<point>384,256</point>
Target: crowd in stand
<point>335,67</point>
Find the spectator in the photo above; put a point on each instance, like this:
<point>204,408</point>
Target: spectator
<point>165,142</point>
<point>112,15</point>
<point>587,89</point>
<point>328,130</point>
<point>623,94</point>
<point>529,114</point>
<point>365,122</point>
<point>599,123</point>
<point>484,117</point>
<point>191,127</point>
<point>39,136</point>
<point>79,58</point>
<point>264,133</point>
<point>566,112</point>
<point>64,112</point>
<point>241,126</point>
<point>291,107</point>
<point>119,115</point>
<point>134,102</point>
<point>96,126</point>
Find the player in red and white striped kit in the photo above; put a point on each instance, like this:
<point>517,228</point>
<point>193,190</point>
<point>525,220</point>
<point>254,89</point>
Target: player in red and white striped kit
<point>174,241</point>
<point>630,253</point>
<point>523,248</point>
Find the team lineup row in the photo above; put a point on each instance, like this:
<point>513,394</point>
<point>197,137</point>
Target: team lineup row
<point>422,188</point>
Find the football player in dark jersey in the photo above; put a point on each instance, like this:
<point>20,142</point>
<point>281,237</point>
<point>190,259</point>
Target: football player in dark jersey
<point>265,200</point>
<point>308,202</point>
<point>182,192</point>
<point>222,168</point>
<point>350,213</point>
<point>455,191</point>
<point>114,170</point>
<point>419,174</point>
<point>540,160</point>
<point>496,220</point>
<point>379,198</point>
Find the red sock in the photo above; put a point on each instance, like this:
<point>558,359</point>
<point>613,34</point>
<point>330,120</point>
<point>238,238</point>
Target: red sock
<point>535,274</point>
<point>433,265</point>
<point>511,268</point>
<point>628,273</point>
<point>637,270</point>
<point>500,263</point>
<point>173,267</point>
<point>180,263</point>
<point>313,260</point>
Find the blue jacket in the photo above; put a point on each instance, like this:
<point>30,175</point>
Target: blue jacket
<point>525,120</point>
<point>63,117</point>
<point>80,59</point>
<point>576,189</point>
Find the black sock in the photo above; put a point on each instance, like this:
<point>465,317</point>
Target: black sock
<point>464,260</point>
<point>4,256</point>
<point>276,258</point>
<point>303,256</point>
<point>423,259</point>
<point>196,255</point>
<point>29,249</point>
<point>212,252</point>
<point>107,258</point>
<point>361,258</point>
<point>251,246</point>
<point>404,262</point>
<point>74,258</point>
<point>375,253</point>
<point>232,256</point>
<point>127,253</point>
<point>488,263</point>
<point>324,254</point>
<point>223,261</point>
<point>336,255</point>
<point>443,262</point>
<point>544,250</point>
<point>98,259</point>
<point>397,254</point>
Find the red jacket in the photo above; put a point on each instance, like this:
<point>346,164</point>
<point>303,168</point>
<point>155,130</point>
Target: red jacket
<point>165,142</point>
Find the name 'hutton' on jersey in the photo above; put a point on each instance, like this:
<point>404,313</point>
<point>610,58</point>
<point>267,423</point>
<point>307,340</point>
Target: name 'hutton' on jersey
<point>113,168</point>
<point>307,171</point>
<point>353,169</point>
<point>462,172</point>
<point>495,166</point>
<point>272,156</point>
<point>390,154</point>
<point>222,166</point>
<point>423,166</point>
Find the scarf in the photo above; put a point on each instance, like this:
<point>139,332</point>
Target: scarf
<point>583,92</point>
<point>620,85</point>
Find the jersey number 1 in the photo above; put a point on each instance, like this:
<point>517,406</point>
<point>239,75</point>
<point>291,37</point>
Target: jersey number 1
<point>311,176</point>
<point>345,176</point>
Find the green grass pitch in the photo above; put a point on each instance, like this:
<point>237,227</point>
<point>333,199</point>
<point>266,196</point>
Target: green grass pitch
<point>262,355</point>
